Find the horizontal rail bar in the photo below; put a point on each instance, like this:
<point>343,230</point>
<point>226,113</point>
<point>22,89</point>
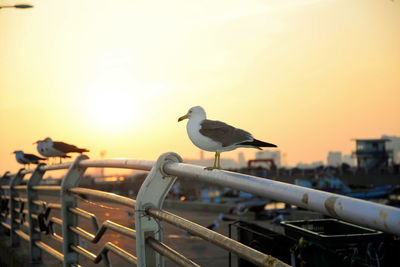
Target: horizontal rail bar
<point>49,205</point>
<point>144,165</point>
<point>23,235</point>
<point>104,196</point>
<point>82,213</point>
<point>56,220</point>
<point>107,247</point>
<point>106,225</point>
<point>58,238</point>
<point>361,212</point>
<point>21,199</point>
<point>20,187</point>
<point>5,187</point>
<point>84,252</point>
<point>170,253</point>
<point>234,246</point>
<point>6,225</point>
<point>59,256</point>
<point>123,163</point>
<point>120,252</point>
<point>47,188</point>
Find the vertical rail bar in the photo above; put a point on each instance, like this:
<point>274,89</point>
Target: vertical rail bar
<point>16,180</point>
<point>71,179</point>
<point>4,180</point>
<point>32,195</point>
<point>152,194</point>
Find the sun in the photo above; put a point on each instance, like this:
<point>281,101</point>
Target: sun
<point>113,108</point>
<point>111,104</point>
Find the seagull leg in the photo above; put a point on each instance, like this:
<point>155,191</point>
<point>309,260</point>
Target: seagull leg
<point>219,160</point>
<point>215,166</point>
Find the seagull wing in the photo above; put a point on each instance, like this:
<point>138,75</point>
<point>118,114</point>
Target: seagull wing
<point>223,133</point>
<point>67,148</point>
<point>64,147</point>
<point>32,158</point>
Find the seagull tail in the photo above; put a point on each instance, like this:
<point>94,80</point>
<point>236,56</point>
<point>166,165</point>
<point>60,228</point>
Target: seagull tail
<point>258,144</point>
<point>81,150</point>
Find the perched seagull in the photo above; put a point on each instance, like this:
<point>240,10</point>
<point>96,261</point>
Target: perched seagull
<point>216,136</point>
<point>24,158</point>
<point>52,148</point>
<point>44,150</point>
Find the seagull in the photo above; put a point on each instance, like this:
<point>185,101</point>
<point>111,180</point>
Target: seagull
<point>57,148</point>
<point>24,158</point>
<point>45,151</point>
<point>217,136</point>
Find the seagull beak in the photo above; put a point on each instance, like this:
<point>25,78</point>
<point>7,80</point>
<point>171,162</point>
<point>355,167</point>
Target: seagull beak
<point>35,142</point>
<point>183,118</point>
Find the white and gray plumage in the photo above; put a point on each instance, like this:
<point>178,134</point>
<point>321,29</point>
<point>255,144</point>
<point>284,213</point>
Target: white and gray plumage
<point>217,136</point>
<point>25,158</point>
<point>45,150</point>
<point>50,148</point>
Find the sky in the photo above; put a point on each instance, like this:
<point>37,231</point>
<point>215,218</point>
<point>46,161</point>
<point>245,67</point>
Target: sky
<point>114,76</point>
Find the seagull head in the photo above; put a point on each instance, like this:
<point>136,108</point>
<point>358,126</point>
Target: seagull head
<point>195,112</point>
<point>17,152</point>
<point>48,140</point>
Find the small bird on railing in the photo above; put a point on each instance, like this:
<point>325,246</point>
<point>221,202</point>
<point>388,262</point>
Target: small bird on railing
<point>25,158</point>
<point>43,150</point>
<point>58,149</point>
<point>217,136</point>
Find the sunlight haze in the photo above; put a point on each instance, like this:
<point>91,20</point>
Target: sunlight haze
<point>115,76</point>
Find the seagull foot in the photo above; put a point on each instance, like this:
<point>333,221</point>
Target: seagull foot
<point>211,168</point>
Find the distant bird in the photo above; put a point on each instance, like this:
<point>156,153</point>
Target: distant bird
<point>24,158</point>
<point>217,136</point>
<point>59,149</point>
<point>46,151</point>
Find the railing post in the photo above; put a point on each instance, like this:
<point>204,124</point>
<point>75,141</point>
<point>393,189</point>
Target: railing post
<point>16,180</point>
<point>32,195</point>
<point>151,195</point>
<point>5,180</point>
<point>71,180</point>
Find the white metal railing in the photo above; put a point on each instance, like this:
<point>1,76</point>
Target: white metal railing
<point>150,250</point>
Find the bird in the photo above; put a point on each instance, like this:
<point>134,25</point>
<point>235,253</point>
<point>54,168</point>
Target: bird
<point>217,136</point>
<point>25,158</point>
<point>45,151</point>
<point>57,149</point>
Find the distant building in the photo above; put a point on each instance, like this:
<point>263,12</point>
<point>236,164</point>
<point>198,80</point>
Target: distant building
<point>334,158</point>
<point>266,154</point>
<point>349,159</point>
<point>393,145</point>
<point>241,160</point>
<point>316,164</point>
<point>312,165</point>
<point>372,155</point>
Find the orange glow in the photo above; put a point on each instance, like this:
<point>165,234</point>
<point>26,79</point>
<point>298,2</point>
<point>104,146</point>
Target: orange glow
<point>182,198</point>
<point>119,84</point>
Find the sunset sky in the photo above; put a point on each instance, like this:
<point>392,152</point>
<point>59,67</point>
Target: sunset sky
<point>307,75</point>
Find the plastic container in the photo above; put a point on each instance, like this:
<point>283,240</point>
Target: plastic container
<point>330,232</point>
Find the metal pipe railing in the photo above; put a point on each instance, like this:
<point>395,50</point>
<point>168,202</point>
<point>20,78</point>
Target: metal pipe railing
<point>148,208</point>
<point>234,246</point>
<point>361,212</point>
<point>104,196</point>
<point>170,253</point>
<point>50,250</point>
